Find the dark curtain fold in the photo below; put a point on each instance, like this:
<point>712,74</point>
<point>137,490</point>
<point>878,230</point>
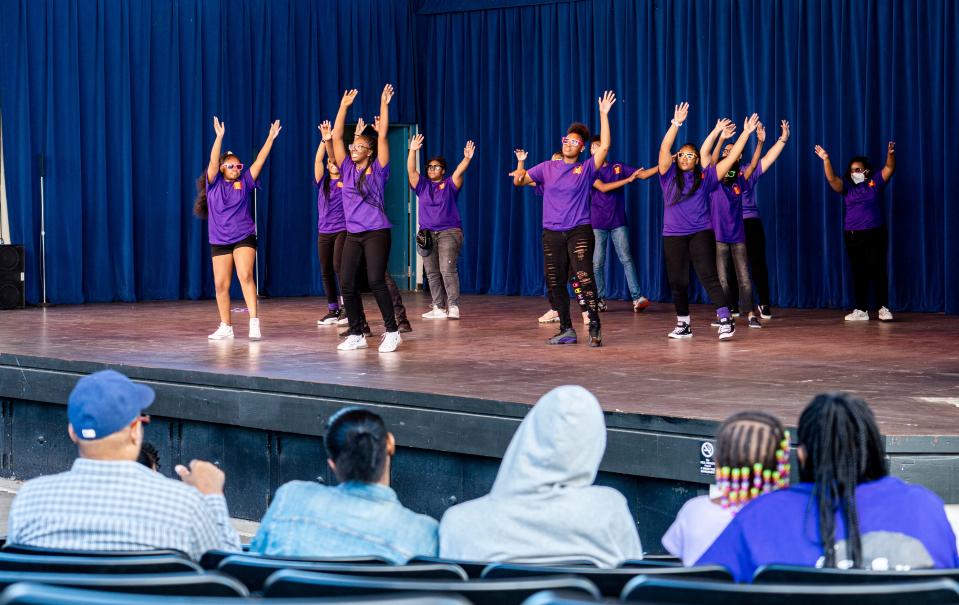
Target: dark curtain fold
<point>118,97</point>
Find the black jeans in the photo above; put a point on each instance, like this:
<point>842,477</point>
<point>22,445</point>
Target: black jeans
<point>756,251</point>
<point>732,259</point>
<point>700,247</point>
<point>565,253</point>
<point>374,248</point>
<point>329,246</point>
<point>867,253</point>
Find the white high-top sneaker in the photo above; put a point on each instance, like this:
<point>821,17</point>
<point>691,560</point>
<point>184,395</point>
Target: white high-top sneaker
<point>224,331</point>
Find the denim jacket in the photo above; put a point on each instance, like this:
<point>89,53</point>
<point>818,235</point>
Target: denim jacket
<point>351,519</point>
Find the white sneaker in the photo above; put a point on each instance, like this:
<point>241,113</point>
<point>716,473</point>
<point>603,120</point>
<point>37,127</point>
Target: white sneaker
<point>353,342</point>
<point>224,331</point>
<point>453,312</point>
<point>858,315</point>
<point>549,317</point>
<point>390,341</point>
<point>586,317</point>
<point>885,314</point>
<point>342,321</point>
<point>255,328</point>
<point>435,313</point>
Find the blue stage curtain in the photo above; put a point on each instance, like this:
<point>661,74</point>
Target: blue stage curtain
<point>118,96</point>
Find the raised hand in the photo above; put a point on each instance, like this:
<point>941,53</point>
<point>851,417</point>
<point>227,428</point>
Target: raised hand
<point>218,127</point>
<point>416,143</point>
<point>751,123</point>
<point>784,125</point>
<point>469,150</point>
<point>326,130</point>
<point>729,132</point>
<point>680,112</point>
<point>377,125</point>
<point>821,153</point>
<point>606,101</point>
<point>521,154</point>
<point>891,147</point>
<point>360,127</point>
<point>722,124</point>
<point>387,95</point>
<point>761,133</point>
<point>348,97</point>
<point>275,129</point>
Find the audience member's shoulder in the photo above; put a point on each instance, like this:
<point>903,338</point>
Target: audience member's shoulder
<point>41,484</point>
<point>607,496</point>
<point>294,490</point>
<point>914,492</point>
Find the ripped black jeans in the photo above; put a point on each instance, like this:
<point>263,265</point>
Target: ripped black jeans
<point>565,254</point>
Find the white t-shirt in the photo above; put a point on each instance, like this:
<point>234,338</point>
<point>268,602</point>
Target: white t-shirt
<point>697,525</point>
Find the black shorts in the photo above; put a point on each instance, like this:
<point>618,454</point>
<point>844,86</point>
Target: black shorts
<point>221,249</point>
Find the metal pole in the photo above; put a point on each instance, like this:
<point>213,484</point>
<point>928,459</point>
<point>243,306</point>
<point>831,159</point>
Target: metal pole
<point>43,234</point>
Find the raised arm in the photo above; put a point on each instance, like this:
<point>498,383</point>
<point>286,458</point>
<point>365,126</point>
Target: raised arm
<point>339,148</point>
<point>757,152</point>
<point>416,143</point>
<point>834,181</point>
<point>605,104</point>
<point>640,173</point>
<point>520,178</point>
<point>468,152</point>
<point>726,163</point>
<point>319,163</point>
<point>724,136</point>
<point>666,147</point>
<point>382,126</point>
<point>773,154</point>
<point>706,151</point>
<point>257,166</point>
<point>890,166</point>
<point>214,166</point>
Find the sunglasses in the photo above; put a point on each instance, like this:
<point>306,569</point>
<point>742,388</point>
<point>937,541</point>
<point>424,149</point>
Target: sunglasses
<point>358,147</point>
<point>687,155</point>
<point>572,141</point>
<point>859,170</point>
<point>434,167</point>
<point>231,166</point>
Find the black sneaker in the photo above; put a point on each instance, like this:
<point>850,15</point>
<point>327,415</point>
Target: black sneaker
<point>726,328</point>
<point>601,305</point>
<point>754,322</point>
<point>765,312</point>
<point>366,331</point>
<point>404,326</point>
<point>563,337</point>
<point>595,337</point>
<point>330,318</point>
<point>682,330</point>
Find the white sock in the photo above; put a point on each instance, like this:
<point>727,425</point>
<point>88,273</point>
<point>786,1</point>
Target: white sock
<point>683,318</point>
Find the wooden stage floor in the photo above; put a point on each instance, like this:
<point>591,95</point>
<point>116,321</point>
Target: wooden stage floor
<point>908,370</point>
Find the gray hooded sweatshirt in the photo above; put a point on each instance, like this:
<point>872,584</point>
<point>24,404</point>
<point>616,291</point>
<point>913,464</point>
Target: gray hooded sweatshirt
<point>543,507</point>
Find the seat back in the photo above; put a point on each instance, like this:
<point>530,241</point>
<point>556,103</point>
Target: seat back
<point>209,584</point>
<point>473,569</point>
<point>96,565</point>
<point>665,591</point>
<point>23,549</point>
<point>211,559</point>
<point>253,571</point>
<point>792,574</point>
<point>609,581</point>
<point>292,583</point>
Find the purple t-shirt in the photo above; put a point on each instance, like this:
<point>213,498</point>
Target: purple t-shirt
<point>438,210</point>
<point>230,219</point>
<point>364,211</point>
<point>330,209</point>
<point>691,213</point>
<point>566,192</point>
<point>607,209</point>
<point>783,527</point>
<point>726,206</point>
<point>863,208</point>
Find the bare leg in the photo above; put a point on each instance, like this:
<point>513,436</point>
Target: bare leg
<point>245,259</point>
<point>222,276</point>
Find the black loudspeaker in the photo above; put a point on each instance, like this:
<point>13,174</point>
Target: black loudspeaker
<point>12,292</point>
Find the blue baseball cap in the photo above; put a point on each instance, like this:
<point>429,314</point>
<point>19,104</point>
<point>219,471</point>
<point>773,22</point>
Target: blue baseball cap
<point>104,402</point>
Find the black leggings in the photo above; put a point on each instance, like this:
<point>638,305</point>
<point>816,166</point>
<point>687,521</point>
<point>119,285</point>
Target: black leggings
<point>571,253</point>
<point>756,251</point>
<point>374,247</point>
<point>700,247</point>
<point>867,254</point>
<point>329,246</point>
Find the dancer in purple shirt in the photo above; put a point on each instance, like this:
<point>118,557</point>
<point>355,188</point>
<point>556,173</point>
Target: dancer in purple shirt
<point>687,181</point>
<point>224,197</point>
<point>567,235</point>
<point>438,214</point>
<point>864,229</point>
<point>331,223</point>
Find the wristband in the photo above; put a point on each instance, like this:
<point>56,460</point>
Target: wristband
<point>675,123</point>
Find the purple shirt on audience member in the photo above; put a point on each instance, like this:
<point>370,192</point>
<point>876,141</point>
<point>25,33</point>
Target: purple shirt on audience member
<point>438,211</point>
<point>690,214</point>
<point>366,211</point>
<point>330,209</point>
<point>781,527</point>
<point>726,207</point>
<point>566,192</point>
<point>863,207</point>
<point>607,209</point>
<point>228,204</point>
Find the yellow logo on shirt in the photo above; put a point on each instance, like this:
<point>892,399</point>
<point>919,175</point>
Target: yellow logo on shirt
<point>442,186</point>
<point>578,170</point>
<point>339,184</point>
<point>237,185</point>
<point>617,169</point>
<point>369,171</point>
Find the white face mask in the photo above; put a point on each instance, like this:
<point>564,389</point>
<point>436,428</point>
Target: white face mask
<point>857,177</point>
